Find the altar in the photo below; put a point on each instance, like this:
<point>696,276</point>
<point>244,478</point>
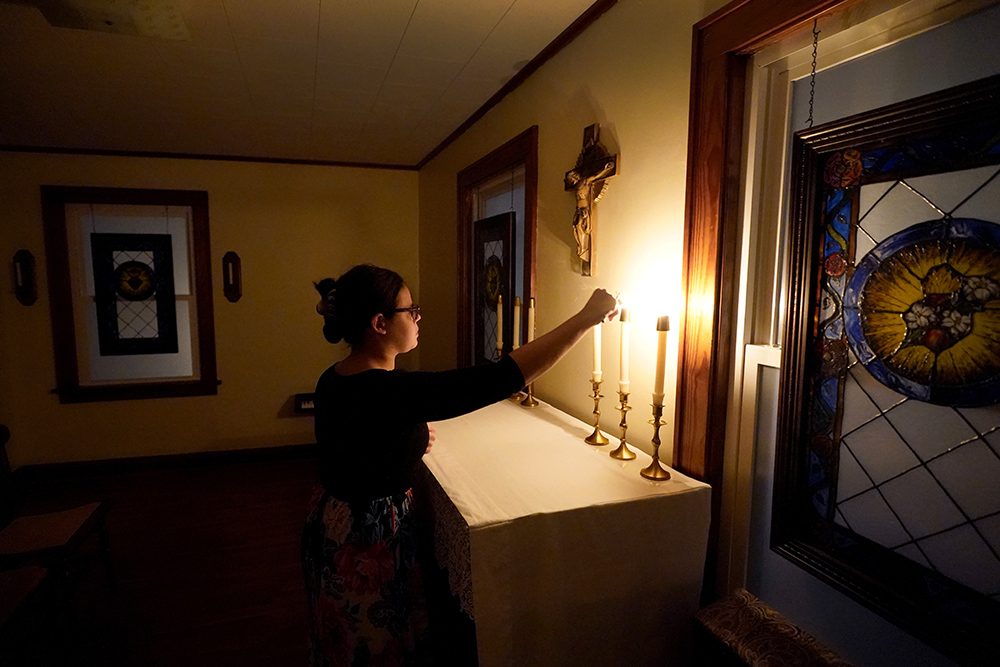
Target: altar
<point>560,554</point>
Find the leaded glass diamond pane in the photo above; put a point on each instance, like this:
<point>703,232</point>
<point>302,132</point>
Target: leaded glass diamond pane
<point>913,552</point>
<point>964,556</point>
<point>948,190</point>
<point>921,504</point>
<point>929,432</point>
<point>858,406</point>
<point>869,515</point>
<point>852,479</point>
<point>880,451</point>
<point>971,474</point>
<point>989,528</point>
<point>900,208</point>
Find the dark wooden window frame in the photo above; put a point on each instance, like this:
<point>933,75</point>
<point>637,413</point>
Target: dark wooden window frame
<point>68,387</point>
<point>521,150</point>
<point>721,48</point>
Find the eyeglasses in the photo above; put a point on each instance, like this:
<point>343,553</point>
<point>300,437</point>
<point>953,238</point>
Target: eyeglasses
<point>413,310</point>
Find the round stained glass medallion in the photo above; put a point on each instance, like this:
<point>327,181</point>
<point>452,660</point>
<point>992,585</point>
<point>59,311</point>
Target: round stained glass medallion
<point>493,280</point>
<point>922,312</point>
<point>134,281</point>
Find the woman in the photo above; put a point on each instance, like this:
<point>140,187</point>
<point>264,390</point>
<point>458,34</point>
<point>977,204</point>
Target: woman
<point>359,557</point>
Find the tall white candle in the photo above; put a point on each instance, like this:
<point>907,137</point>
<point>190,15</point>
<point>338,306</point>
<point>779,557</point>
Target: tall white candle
<point>662,327</point>
<point>597,354</point>
<point>623,382</point>
<point>531,319</point>
<point>499,321</point>
<point>517,322</point>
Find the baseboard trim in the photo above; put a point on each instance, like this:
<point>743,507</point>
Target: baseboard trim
<point>47,471</point>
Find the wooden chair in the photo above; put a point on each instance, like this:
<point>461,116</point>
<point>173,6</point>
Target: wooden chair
<point>52,540</point>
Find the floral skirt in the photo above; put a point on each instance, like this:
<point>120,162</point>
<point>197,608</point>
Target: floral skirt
<point>363,583</point>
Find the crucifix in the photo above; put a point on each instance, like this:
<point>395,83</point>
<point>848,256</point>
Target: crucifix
<point>588,180</point>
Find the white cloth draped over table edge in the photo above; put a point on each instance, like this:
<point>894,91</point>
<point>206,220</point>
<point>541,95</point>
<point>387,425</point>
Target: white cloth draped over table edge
<point>514,484</point>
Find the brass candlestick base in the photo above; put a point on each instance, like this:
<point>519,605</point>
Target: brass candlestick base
<point>623,453</point>
<point>654,470</point>
<point>529,400</point>
<point>596,438</point>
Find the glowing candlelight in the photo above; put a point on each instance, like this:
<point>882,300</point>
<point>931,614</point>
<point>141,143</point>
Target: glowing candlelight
<point>597,354</point>
<point>517,322</point>
<point>623,382</point>
<point>531,319</point>
<point>662,327</point>
<point>499,322</point>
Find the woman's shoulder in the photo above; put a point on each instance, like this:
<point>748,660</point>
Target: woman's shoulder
<point>333,376</point>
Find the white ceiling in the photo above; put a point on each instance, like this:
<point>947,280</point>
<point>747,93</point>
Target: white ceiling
<point>369,81</point>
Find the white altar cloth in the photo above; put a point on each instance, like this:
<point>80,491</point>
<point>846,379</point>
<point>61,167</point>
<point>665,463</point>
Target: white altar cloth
<point>563,555</point>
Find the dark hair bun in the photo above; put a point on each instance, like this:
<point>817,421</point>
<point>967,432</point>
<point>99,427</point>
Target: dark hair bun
<point>325,287</point>
<point>332,330</point>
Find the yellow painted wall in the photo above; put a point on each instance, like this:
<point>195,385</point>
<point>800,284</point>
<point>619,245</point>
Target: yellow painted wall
<point>290,224</point>
<point>630,72</point>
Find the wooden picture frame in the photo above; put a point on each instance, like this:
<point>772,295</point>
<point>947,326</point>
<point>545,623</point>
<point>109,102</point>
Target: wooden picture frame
<point>832,297</point>
<point>74,336</point>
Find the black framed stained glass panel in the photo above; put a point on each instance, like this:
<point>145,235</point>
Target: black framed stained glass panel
<point>888,459</point>
<point>134,293</point>
<point>493,277</point>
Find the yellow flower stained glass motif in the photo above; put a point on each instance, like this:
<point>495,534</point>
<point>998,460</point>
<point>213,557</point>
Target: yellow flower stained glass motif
<point>930,314</point>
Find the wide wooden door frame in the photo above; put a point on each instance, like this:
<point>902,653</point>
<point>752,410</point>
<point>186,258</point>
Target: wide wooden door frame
<point>721,49</point>
<point>521,150</point>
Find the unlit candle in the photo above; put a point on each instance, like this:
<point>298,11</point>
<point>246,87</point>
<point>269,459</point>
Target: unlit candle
<point>517,322</point>
<point>531,319</point>
<point>662,327</point>
<point>499,321</point>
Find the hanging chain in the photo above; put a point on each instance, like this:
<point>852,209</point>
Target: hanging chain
<point>812,76</point>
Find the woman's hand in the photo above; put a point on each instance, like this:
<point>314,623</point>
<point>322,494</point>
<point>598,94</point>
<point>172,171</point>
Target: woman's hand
<point>432,435</point>
<point>601,307</point>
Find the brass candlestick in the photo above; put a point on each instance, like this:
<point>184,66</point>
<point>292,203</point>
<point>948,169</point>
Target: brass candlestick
<point>596,438</point>
<point>654,470</point>
<point>529,400</point>
<point>623,453</point>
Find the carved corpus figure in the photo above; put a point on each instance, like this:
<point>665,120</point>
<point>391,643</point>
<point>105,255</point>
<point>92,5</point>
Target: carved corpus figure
<point>588,180</point>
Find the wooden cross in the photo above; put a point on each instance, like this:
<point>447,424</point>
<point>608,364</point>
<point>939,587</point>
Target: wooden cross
<point>593,167</point>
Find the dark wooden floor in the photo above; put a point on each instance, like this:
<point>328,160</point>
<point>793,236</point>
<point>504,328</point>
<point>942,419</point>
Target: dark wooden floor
<point>207,565</point>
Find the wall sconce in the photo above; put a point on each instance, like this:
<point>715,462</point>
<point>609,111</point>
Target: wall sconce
<point>232,277</point>
<point>25,288</point>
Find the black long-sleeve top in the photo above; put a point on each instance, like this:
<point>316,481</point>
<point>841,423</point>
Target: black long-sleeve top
<point>371,427</point>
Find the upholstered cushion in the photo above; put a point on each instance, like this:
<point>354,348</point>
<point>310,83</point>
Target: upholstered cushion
<point>43,531</point>
<point>762,637</point>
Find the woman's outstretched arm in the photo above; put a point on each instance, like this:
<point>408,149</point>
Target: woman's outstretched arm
<point>541,354</point>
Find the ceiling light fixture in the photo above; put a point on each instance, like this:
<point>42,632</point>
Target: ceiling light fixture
<point>148,18</point>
